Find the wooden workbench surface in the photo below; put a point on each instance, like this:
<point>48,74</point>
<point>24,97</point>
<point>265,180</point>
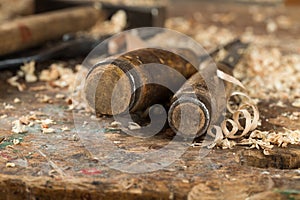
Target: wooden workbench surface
<point>60,166</point>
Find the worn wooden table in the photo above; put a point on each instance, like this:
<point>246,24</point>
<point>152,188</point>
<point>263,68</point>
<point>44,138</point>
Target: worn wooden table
<point>59,166</point>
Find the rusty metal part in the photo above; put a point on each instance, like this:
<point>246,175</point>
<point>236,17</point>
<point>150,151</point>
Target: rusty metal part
<point>33,30</point>
<point>196,101</point>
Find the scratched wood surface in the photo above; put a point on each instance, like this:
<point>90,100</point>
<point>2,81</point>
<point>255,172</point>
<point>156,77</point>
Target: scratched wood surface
<point>222,174</point>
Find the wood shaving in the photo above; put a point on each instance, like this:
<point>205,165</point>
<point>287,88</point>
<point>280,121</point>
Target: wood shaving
<point>65,128</point>
<point>296,103</point>
<point>271,26</point>
<point>28,69</point>
<point>117,23</point>
<point>224,137</point>
<point>229,78</point>
<point>60,96</point>
<point>48,130</point>
<point>17,100</point>
<point>10,165</point>
<point>24,120</point>
<point>3,116</point>
<point>114,126</point>
<point>13,81</point>
<point>38,88</point>
<point>267,140</point>
<point>8,106</point>
<point>59,76</point>
<point>50,74</point>
<point>44,98</point>
<point>16,141</point>
<point>46,121</point>
<point>18,127</point>
<point>133,126</point>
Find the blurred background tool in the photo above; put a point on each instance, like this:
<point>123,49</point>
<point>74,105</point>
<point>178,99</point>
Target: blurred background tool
<point>56,18</point>
<point>138,15</point>
<point>29,31</point>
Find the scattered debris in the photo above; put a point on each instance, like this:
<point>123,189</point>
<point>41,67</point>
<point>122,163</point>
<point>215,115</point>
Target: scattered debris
<point>44,98</point>
<point>133,126</point>
<point>271,26</point>
<point>46,121</point>
<point>60,96</point>
<point>10,165</point>
<point>18,127</point>
<point>3,116</point>
<point>50,74</point>
<point>117,23</point>
<point>28,69</point>
<point>296,103</point>
<point>8,106</point>
<point>65,128</point>
<point>75,137</point>
<point>16,141</point>
<point>48,130</point>
<point>17,100</point>
<point>267,140</point>
<point>13,81</point>
<point>114,126</point>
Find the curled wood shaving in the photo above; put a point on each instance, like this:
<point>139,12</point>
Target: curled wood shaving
<point>227,133</point>
<point>251,120</point>
<point>244,97</point>
<point>255,119</point>
<point>229,78</point>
